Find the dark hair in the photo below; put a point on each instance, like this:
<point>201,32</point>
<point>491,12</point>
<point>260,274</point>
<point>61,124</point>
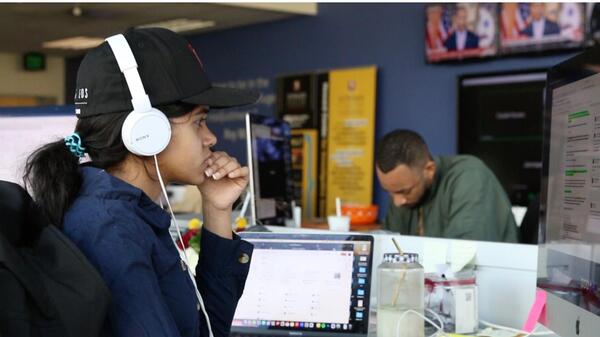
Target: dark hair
<point>401,147</point>
<point>52,171</point>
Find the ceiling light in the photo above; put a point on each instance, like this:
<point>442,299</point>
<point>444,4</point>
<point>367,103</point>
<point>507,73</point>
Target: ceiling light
<point>76,43</point>
<point>76,11</point>
<point>181,25</point>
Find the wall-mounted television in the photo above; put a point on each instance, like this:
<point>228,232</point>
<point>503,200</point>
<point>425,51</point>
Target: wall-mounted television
<point>460,31</point>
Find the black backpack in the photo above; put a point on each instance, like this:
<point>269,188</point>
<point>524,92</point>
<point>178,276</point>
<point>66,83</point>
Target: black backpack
<point>47,286</point>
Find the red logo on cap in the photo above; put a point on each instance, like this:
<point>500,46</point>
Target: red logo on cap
<point>196,55</point>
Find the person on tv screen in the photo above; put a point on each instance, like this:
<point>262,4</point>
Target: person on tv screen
<point>539,26</point>
<point>461,38</point>
<point>451,197</point>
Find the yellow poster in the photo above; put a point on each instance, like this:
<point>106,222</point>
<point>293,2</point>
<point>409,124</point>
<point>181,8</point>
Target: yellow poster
<point>351,136</point>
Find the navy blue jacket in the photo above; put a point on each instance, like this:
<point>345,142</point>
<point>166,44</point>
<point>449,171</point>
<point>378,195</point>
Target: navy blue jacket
<point>125,235</point>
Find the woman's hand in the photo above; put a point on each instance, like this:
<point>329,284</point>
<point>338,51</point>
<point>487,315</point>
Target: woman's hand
<point>225,181</point>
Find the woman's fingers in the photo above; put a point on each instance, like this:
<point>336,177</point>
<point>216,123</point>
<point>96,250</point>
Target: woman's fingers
<point>239,173</point>
<point>226,169</point>
<point>221,164</point>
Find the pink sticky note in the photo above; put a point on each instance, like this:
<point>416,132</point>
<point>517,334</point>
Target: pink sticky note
<point>537,313</point>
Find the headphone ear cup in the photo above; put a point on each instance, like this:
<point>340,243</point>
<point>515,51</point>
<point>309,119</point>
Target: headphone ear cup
<point>146,133</point>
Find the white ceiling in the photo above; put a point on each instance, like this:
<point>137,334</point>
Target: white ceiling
<point>24,26</point>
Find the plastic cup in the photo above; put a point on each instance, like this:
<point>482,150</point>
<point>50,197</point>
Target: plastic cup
<point>339,223</point>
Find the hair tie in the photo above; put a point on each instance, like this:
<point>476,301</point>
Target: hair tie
<point>73,142</point>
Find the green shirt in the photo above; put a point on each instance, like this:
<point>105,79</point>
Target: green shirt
<point>465,201</point>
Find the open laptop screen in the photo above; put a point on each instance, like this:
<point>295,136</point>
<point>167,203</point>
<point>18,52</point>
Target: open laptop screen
<point>304,284</point>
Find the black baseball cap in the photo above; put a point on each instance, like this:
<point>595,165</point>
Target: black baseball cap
<point>169,67</point>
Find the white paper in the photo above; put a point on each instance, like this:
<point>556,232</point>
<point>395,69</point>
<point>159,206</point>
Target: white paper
<point>489,332</point>
<point>463,254</point>
<point>435,257</point>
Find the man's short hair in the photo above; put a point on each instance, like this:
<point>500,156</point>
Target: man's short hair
<point>401,147</point>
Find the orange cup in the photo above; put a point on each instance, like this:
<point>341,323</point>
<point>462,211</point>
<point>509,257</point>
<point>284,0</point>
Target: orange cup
<point>361,214</point>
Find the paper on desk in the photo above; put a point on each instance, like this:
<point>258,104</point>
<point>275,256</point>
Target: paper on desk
<point>435,257</point>
<point>463,253</point>
<point>489,332</point>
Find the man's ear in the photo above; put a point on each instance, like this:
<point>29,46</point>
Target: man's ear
<point>429,170</point>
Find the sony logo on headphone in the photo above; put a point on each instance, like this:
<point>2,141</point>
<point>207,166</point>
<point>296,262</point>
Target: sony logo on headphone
<point>142,137</point>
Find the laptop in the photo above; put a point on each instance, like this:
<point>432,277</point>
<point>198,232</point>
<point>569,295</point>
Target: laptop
<point>306,285</point>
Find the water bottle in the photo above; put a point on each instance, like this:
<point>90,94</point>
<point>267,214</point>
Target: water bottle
<point>401,288</point>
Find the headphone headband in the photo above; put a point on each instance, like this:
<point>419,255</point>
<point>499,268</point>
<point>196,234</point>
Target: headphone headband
<point>128,66</point>
<point>146,131</point>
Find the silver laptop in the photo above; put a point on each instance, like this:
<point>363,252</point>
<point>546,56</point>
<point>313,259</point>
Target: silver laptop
<point>306,285</point>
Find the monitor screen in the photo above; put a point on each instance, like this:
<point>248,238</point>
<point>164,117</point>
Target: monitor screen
<point>269,158</point>
<point>23,130</point>
<point>287,290</point>
<point>505,133</point>
<point>569,261</point>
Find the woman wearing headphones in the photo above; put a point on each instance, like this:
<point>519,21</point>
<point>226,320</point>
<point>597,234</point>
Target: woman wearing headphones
<point>141,103</point>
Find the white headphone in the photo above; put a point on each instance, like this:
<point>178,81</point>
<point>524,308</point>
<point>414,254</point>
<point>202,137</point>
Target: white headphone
<point>146,130</point>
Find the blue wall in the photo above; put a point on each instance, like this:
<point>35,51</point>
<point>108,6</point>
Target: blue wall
<point>411,93</point>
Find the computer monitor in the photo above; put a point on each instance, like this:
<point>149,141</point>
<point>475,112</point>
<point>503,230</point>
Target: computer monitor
<point>504,132</point>
<point>24,129</point>
<point>269,160</point>
<point>569,260</point>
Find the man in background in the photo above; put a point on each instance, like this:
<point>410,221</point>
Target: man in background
<point>450,197</point>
